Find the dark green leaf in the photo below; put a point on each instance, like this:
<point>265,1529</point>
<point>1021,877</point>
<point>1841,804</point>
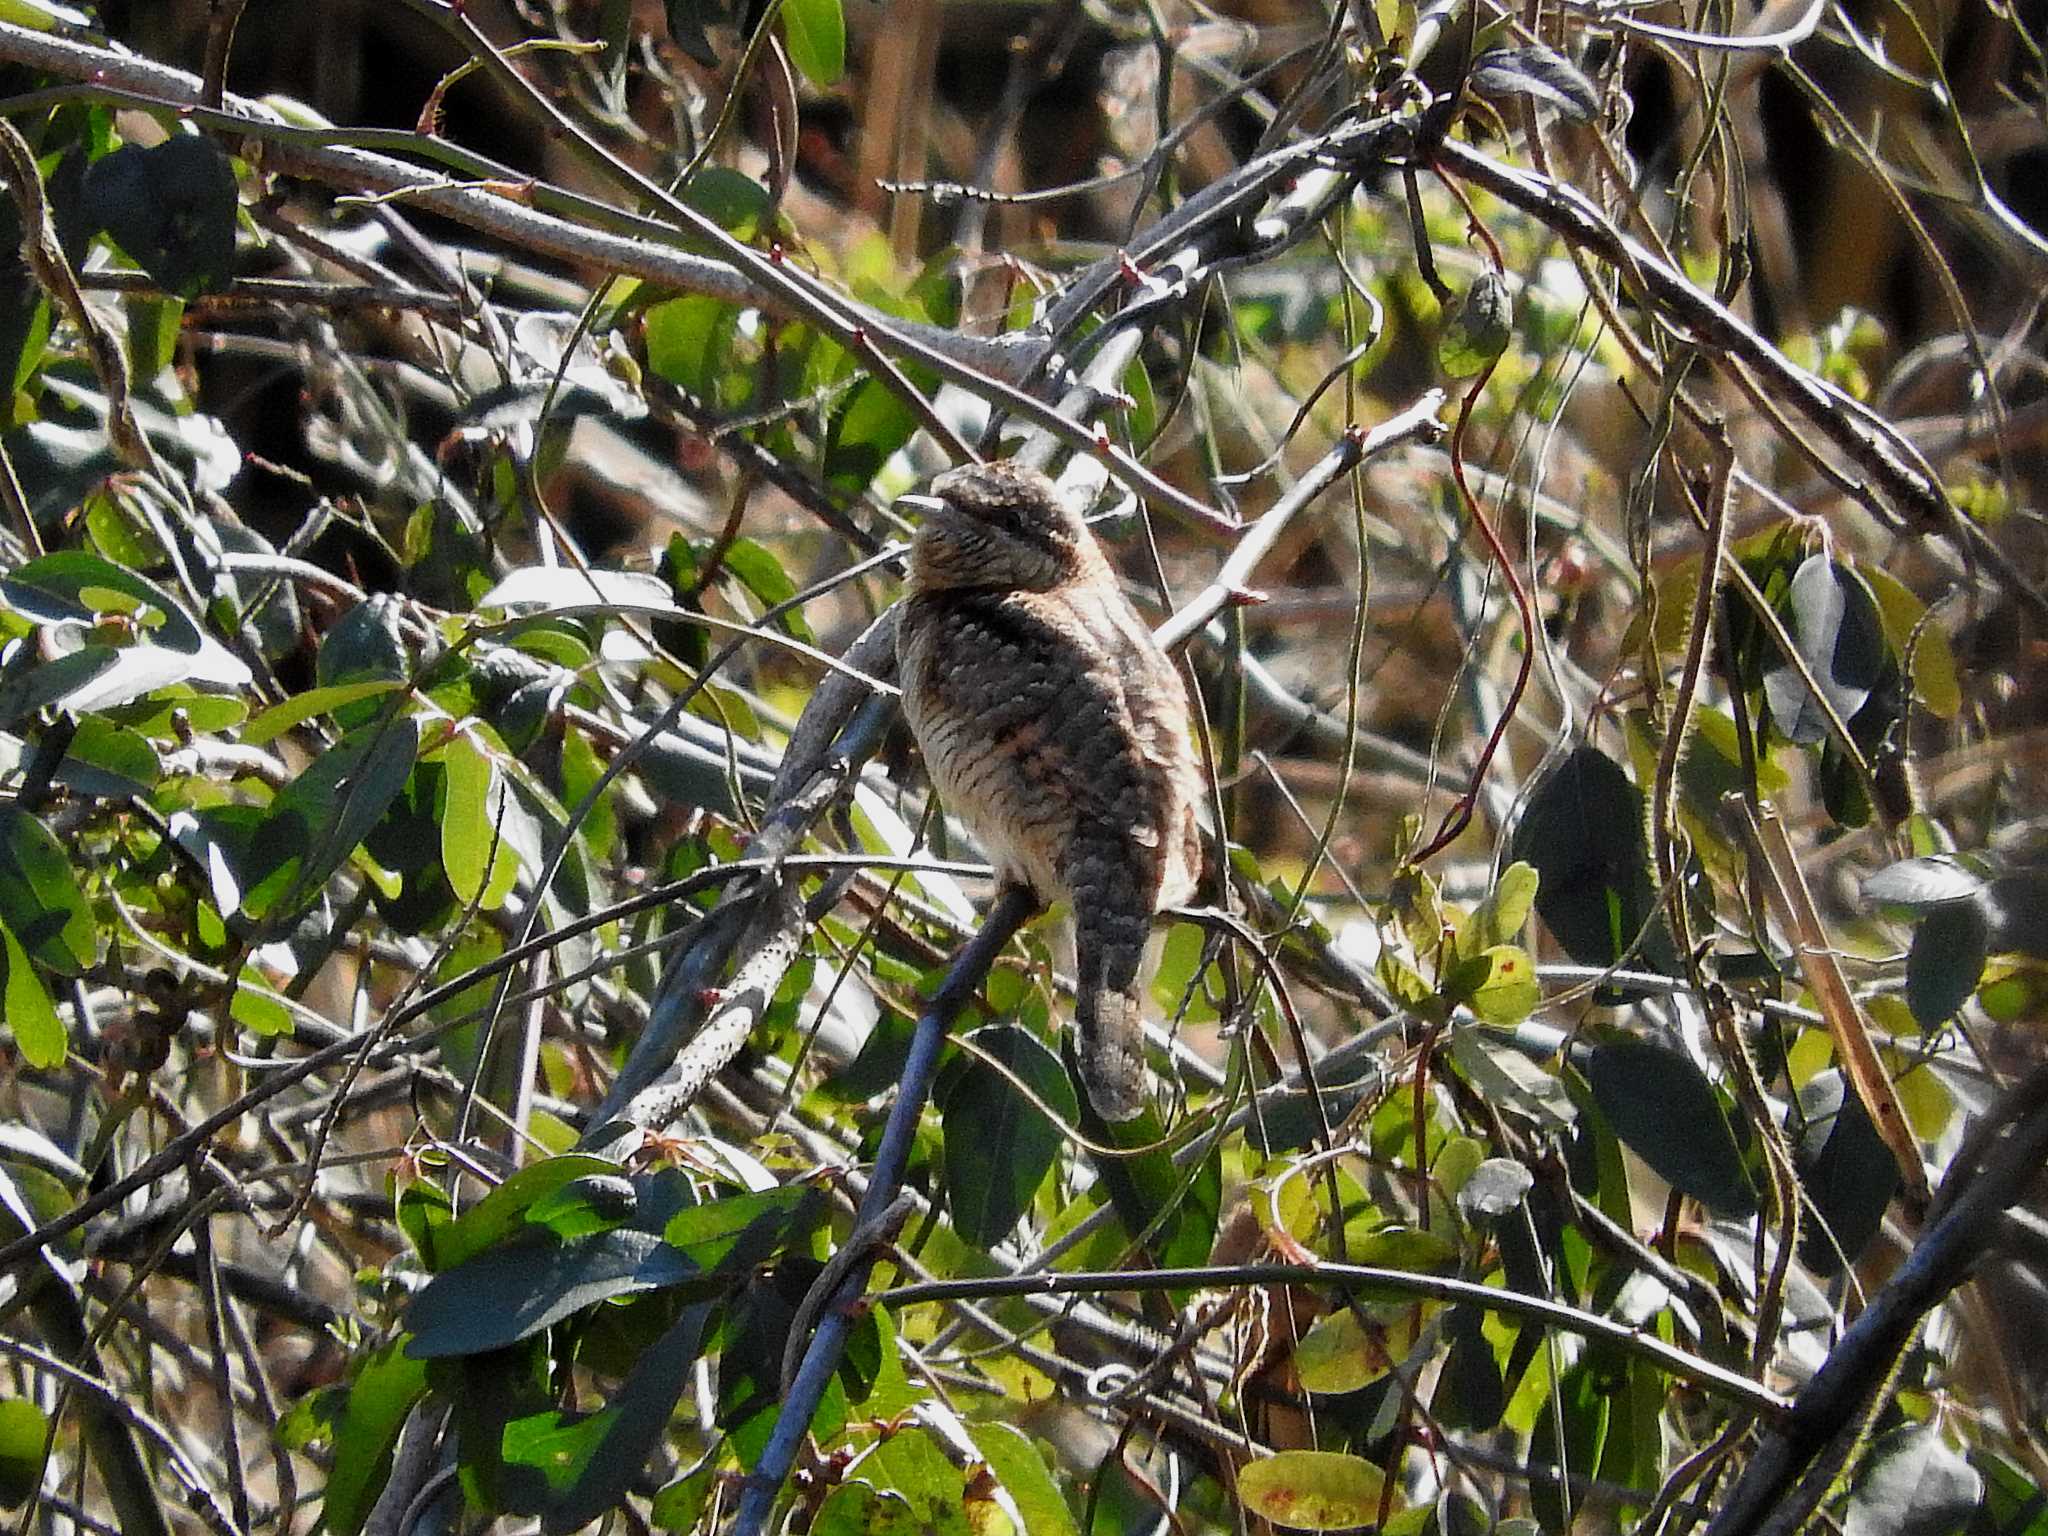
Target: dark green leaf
<point>171,208</point>
<point>1480,328</point>
<point>1583,834</point>
<point>1912,1483</point>
<point>2019,913</point>
<point>1579,1409</point>
<point>1846,1170</point>
<point>1469,1394</point>
<point>1663,1107</point>
<point>365,646</point>
<point>999,1145</point>
<point>688,21</point>
<point>1835,624</point>
<point>76,585</point>
<point>40,901</point>
<point>514,1291</point>
<point>571,1468</point>
<point>1946,962</point>
<point>317,821</point>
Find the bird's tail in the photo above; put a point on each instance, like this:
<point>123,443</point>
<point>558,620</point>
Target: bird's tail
<point>1109,1019</point>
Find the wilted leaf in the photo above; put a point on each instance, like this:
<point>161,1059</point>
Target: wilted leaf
<point>1313,1490</point>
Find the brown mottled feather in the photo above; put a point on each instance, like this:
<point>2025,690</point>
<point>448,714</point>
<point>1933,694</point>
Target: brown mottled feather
<point>1056,729</point>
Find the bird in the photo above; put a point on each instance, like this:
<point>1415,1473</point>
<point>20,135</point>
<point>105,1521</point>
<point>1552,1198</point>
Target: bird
<point>1058,732</point>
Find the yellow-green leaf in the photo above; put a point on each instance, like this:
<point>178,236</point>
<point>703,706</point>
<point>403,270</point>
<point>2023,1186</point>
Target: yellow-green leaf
<point>1313,1490</point>
<point>30,1016</point>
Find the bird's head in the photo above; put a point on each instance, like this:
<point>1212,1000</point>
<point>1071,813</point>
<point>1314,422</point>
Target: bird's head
<point>998,525</point>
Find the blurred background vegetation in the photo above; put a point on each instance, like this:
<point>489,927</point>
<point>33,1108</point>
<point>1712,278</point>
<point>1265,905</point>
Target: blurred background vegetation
<point>469,905</point>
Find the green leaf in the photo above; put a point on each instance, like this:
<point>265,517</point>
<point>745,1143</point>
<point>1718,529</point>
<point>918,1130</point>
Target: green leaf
<point>999,1145</point>
<point>1506,1076</point>
<point>742,1230</point>
<point>1498,984</point>
<point>687,340</point>
<point>504,1211</point>
<point>171,208</point>
<point>735,202</point>
<point>1946,961</point>
<point>258,1009</point>
<point>40,901</point>
<point>387,1385</point>
<point>1661,1104</point>
<point>512,1292</point>
<point>1021,1470</point>
<point>317,821</point>
<point>816,33</point>
<point>313,703</point>
<point>1934,662</point>
<point>1144,1183</point>
<point>1313,1490</point>
<point>479,861</point>
<point>912,1465</point>
<point>1337,1354</point>
<point>1837,630</point>
<point>571,1468</point>
<point>108,761</point>
<point>24,1432</point>
<point>1583,835</point>
<point>1480,328</point>
<point>1499,918</point>
<point>865,432</point>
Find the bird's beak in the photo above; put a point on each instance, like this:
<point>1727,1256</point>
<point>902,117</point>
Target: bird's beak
<point>925,504</point>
